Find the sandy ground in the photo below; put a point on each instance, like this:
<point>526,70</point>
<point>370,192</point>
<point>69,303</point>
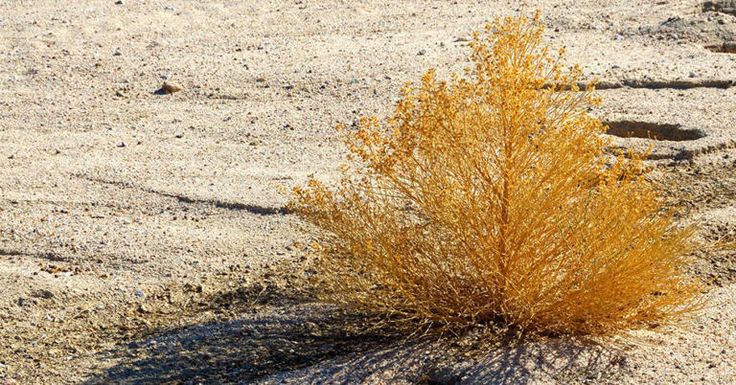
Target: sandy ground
<point>140,233</point>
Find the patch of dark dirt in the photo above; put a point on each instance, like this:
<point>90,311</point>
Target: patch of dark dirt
<point>696,188</point>
<point>712,29</point>
<point>722,6</point>
<point>651,130</point>
<point>716,263</point>
<point>715,267</point>
<point>725,47</point>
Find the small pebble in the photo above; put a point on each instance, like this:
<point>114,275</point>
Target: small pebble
<point>43,293</point>
<point>171,87</point>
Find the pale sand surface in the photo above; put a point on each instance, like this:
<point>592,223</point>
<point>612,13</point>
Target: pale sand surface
<point>129,220</point>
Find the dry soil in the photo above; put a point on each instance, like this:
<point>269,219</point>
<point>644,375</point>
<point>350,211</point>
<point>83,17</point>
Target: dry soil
<point>143,238</point>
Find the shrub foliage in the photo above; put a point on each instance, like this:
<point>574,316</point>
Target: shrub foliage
<point>491,197</point>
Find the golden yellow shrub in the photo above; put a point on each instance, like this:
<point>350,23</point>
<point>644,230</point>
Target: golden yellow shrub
<point>489,197</point>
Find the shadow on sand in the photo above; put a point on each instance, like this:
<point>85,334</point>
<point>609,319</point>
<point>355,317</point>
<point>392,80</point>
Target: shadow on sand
<point>292,340</point>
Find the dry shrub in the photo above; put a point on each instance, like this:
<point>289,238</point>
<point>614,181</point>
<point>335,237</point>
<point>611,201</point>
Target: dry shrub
<point>490,197</point>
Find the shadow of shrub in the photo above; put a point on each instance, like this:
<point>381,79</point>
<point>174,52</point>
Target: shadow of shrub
<point>288,340</point>
<point>281,332</point>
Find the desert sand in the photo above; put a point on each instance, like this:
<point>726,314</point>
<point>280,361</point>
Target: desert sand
<point>143,237</point>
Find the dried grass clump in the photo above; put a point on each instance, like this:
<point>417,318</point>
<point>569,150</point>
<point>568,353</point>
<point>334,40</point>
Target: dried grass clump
<point>490,198</point>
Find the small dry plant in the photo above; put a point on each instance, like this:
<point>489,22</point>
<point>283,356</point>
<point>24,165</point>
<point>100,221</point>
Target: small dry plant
<point>491,198</point>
